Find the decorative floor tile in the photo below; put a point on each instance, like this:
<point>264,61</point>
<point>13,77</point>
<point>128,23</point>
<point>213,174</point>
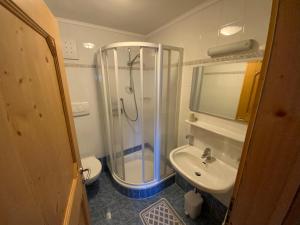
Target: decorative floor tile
<point>160,213</point>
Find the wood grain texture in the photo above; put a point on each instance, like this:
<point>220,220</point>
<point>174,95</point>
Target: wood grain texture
<point>38,11</point>
<point>73,213</point>
<point>16,196</point>
<point>38,144</point>
<point>293,216</point>
<point>269,173</point>
<point>249,90</point>
<point>83,218</point>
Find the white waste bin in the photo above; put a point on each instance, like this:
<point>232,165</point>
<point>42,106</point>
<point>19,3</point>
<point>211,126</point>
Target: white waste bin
<point>193,204</point>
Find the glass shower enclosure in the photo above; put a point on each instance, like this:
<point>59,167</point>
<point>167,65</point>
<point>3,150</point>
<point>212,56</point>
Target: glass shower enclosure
<point>140,88</point>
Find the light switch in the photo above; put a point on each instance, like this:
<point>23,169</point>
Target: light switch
<point>70,49</point>
<point>80,109</point>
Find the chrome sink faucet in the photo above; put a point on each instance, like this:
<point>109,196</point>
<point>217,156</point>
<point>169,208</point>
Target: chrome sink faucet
<point>190,139</point>
<point>207,154</point>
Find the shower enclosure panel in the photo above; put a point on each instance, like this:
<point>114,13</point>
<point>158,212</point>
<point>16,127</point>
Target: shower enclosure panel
<point>141,87</point>
<point>169,113</point>
<point>114,126</point>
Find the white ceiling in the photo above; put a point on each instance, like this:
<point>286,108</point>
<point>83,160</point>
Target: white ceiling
<point>138,16</point>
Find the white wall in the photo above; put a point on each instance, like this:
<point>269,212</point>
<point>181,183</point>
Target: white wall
<point>83,80</point>
<point>84,87</point>
<point>198,31</point>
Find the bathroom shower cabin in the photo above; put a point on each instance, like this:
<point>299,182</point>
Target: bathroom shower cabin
<point>141,90</point>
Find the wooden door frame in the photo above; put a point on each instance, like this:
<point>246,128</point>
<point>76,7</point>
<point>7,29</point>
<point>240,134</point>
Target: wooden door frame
<point>37,16</point>
<point>255,201</point>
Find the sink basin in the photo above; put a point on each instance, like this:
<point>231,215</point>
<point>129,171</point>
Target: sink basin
<point>214,177</point>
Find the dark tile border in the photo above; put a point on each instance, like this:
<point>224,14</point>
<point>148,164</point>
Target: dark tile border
<point>128,151</point>
<point>135,149</point>
<point>143,193</point>
<point>137,193</point>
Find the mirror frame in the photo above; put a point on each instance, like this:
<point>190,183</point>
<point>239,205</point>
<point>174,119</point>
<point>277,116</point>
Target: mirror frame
<point>248,88</point>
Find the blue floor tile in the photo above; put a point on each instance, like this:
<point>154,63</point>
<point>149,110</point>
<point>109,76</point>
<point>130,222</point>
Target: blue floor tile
<point>109,207</point>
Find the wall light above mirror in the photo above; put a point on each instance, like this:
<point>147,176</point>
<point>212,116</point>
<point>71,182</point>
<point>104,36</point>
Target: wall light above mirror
<point>225,90</point>
<point>230,30</point>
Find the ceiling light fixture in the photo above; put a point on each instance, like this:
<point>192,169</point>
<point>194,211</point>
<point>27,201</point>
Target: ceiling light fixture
<point>230,30</point>
<point>88,45</point>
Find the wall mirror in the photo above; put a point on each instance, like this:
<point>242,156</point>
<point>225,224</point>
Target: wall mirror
<point>226,90</point>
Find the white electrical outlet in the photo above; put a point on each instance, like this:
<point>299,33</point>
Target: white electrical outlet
<point>70,49</point>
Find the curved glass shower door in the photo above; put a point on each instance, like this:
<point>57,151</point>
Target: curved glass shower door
<point>140,129</point>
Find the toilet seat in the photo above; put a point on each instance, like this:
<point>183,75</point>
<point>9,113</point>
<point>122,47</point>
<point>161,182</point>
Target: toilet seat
<point>94,166</point>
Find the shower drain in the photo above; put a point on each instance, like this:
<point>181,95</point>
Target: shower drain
<point>198,174</point>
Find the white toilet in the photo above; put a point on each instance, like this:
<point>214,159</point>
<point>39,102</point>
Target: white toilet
<point>94,167</point>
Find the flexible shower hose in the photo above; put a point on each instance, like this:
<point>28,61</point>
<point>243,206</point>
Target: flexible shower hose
<point>134,97</point>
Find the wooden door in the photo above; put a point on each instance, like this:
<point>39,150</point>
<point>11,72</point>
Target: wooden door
<point>267,187</point>
<point>248,91</point>
<point>39,162</point>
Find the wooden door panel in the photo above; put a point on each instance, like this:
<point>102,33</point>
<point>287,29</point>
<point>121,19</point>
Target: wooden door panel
<point>293,215</point>
<point>269,173</point>
<point>35,129</point>
<point>73,210</point>
<point>82,218</point>
<point>29,88</point>
<point>15,190</point>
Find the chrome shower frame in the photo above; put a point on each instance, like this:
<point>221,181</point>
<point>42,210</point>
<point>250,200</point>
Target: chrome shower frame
<point>158,87</point>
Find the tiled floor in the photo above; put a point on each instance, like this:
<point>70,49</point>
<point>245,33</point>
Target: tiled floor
<point>110,207</point>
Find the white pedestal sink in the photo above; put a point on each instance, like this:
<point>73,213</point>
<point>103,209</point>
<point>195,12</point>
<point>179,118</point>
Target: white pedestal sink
<point>214,177</point>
